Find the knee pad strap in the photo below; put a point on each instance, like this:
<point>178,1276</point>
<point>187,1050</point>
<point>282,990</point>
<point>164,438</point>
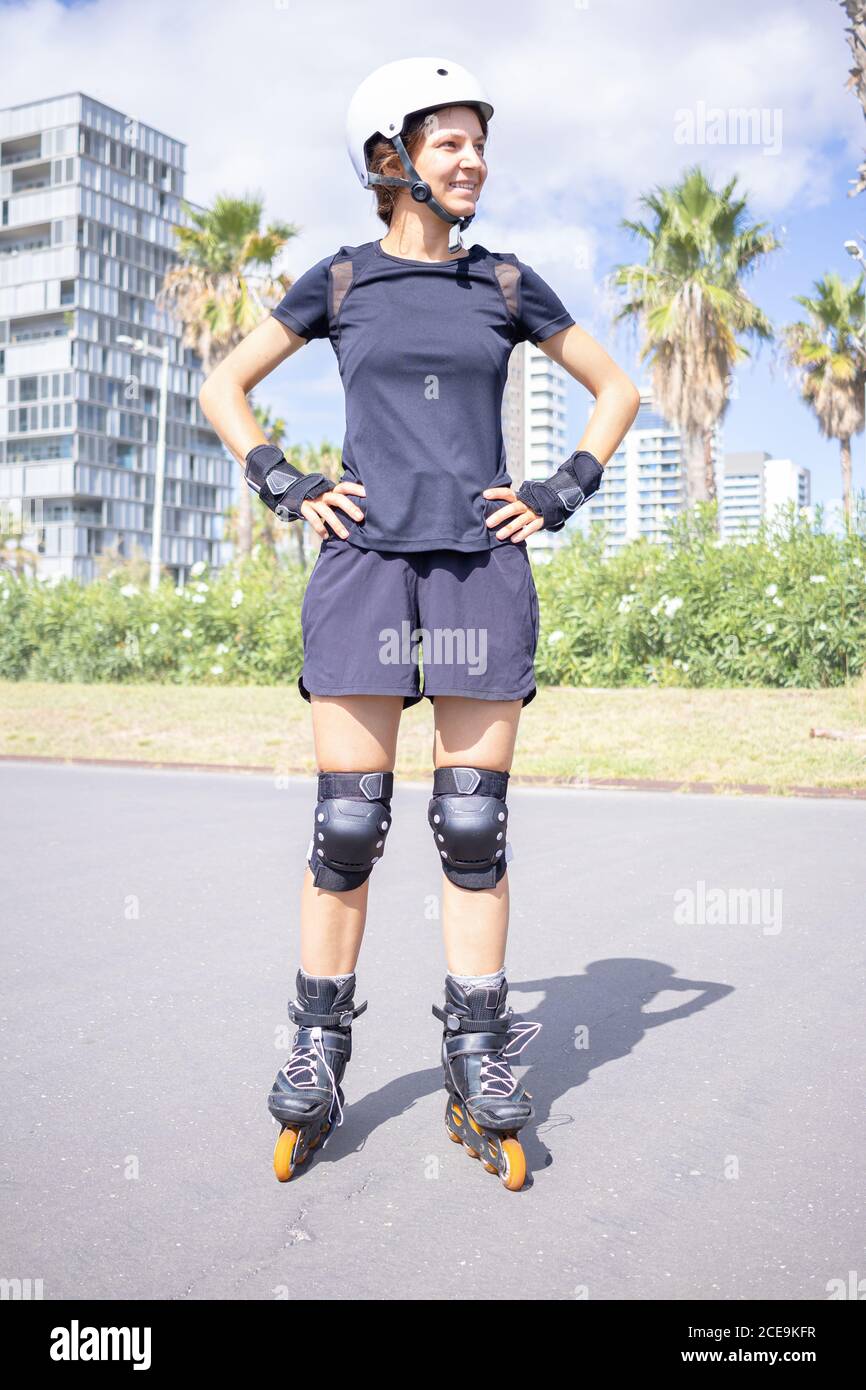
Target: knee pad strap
<point>352,819</point>
<point>469,820</point>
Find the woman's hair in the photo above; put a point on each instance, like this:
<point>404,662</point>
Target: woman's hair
<point>382,158</point>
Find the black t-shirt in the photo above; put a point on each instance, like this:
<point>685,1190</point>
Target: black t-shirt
<point>423,353</point>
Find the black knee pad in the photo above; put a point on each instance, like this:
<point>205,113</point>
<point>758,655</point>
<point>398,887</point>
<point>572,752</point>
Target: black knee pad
<point>353,815</point>
<point>469,820</point>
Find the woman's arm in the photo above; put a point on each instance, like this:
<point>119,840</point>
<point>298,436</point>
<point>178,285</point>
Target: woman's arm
<point>223,399</point>
<point>548,502</point>
<point>617,397</point>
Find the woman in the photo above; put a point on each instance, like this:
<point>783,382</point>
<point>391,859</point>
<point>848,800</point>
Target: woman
<point>422,329</point>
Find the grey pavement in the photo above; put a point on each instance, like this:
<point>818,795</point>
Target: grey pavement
<point>697,964</point>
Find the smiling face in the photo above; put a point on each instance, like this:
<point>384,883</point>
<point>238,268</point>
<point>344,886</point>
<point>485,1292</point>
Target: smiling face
<point>451,158</point>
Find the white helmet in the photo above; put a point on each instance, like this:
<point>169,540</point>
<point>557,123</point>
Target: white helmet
<point>384,101</point>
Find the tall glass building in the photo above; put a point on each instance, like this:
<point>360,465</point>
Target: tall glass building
<point>755,486</point>
<point>644,483</point>
<point>89,199</point>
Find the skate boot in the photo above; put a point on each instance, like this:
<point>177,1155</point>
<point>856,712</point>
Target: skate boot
<point>307,1090</point>
<point>487,1105</point>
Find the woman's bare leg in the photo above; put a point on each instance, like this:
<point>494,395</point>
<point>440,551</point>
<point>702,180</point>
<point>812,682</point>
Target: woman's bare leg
<point>475,733</point>
<point>352,733</point>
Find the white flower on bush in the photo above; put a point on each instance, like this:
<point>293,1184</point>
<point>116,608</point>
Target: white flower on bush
<point>769,629</point>
<point>771,590</point>
<point>202,588</point>
<point>857,561</point>
<point>237,597</point>
<point>221,648</point>
<point>555,636</point>
<point>216,670</point>
<point>822,627</point>
<point>187,632</point>
<point>198,568</point>
<point>154,627</point>
<point>198,598</point>
<point>817,579</point>
<point>129,590</point>
<point>178,589</point>
<point>778,602</point>
<point>626,602</point>
<point>670,605</point>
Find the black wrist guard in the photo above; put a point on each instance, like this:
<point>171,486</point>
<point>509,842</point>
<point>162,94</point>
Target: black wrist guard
<point>281,487</point>
<point>556,497</point>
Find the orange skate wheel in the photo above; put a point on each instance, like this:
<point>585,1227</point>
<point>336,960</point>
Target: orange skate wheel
<point>515,1165</point>
<point>284,1154</point>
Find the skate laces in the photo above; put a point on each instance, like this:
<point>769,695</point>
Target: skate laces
<point>301,1070</point>
<point>495,1072</point>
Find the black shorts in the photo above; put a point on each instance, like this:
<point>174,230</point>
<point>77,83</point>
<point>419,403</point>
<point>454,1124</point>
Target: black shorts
<point>474,617</point>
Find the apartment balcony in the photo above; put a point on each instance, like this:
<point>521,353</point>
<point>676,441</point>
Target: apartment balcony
<point>18,248</point>
<point>33,178</point>
<point>52,353</point>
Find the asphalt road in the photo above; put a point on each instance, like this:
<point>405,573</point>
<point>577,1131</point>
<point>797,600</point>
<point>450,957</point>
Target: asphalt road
<point>699,1078</point>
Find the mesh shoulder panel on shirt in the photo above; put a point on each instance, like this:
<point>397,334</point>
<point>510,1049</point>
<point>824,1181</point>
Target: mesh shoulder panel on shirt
<point>340,273</point>
<point>508,276</point>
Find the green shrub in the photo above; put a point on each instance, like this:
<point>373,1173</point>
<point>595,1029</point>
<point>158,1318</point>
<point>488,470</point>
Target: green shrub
<point>240,627</point>
<point>786,608</point>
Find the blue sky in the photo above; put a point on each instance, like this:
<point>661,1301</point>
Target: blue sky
<point>588,96</point>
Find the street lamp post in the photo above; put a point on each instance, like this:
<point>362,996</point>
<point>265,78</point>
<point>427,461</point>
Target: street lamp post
<point>142,346</point>
<point>856,252</point>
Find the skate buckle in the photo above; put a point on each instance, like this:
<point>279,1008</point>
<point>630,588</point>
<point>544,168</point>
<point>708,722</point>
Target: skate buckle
<point>452,1023</point>
<point>346,1019</point>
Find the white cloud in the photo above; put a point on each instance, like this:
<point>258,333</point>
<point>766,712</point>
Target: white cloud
<point>586,100</point>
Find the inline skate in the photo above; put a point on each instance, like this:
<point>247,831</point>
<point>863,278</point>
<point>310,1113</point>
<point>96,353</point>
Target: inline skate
<point>307,1089</point>
<point>487,1105</point>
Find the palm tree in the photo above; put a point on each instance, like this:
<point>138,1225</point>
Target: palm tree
<point>856,12</point>
<point>219,294</point>
<point>691,305</point>
<point>828,355</point>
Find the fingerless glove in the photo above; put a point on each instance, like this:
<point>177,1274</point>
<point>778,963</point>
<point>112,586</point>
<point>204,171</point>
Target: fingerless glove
<point>281,487</point>
<point>556,497</point>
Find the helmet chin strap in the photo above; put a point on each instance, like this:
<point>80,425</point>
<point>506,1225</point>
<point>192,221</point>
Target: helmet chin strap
<point>422,193</point>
